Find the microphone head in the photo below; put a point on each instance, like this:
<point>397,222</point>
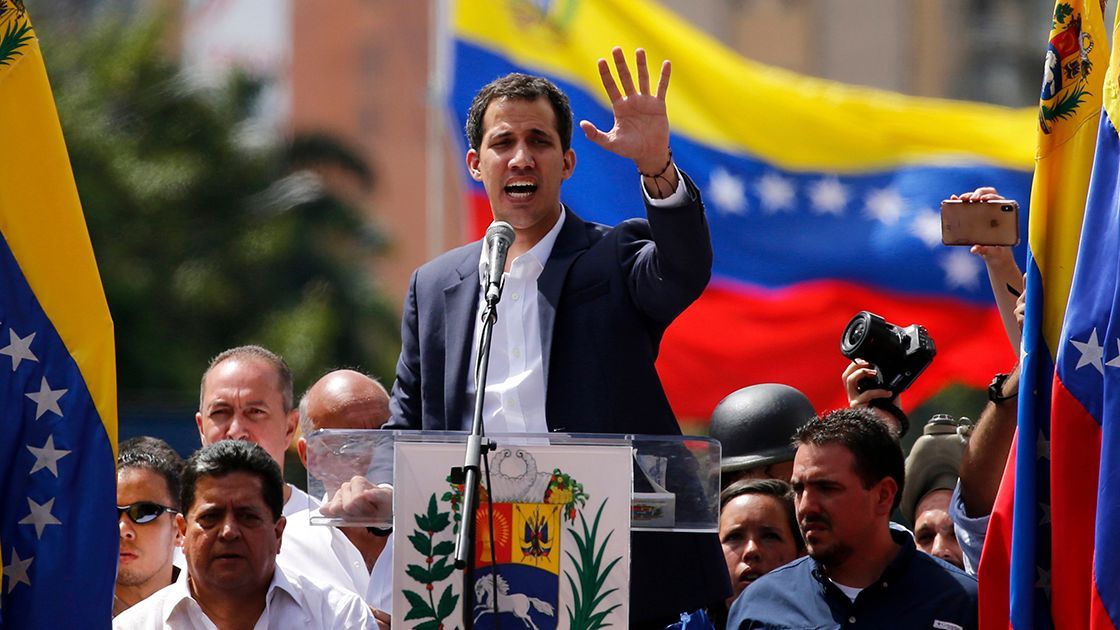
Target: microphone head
<point>500,234</point>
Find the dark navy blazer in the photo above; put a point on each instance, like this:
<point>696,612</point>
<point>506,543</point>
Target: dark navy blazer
<point>606,296</point>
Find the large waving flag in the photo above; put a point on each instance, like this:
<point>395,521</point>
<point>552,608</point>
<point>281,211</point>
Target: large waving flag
<point>1037,569</point>
<point>822,198</point>
<point>58,416</point>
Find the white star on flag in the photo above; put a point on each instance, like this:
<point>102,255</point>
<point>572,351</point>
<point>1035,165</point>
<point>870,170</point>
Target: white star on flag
<point>829,196</point>
<point>727,192</point>
<point>19,348</point>
<point>775,192</point>
<point>1091,352</point>
<point>16,572</point>
<point>1042,447</point>
<point>962,270</point>
<point>1115,362</point>
<point>885,205</point>
<point>47,457</point>
<point>40,516</point>
<point>927,227</point>
<point>46,399</point>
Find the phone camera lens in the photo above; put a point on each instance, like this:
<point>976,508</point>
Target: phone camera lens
<point>1005,208</point>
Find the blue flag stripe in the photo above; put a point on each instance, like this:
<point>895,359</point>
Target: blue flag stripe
<point>69,563</point>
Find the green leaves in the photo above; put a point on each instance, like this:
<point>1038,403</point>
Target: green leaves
<point>1065,107</point>
<point>591,575</point>
<point>1061,12</point>
<point>421,543</point>
<point>435,569</point>
<point>17,35</point>
<point>447,603</point>
<point>418,608</point>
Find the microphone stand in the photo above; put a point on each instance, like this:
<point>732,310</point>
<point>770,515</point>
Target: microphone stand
<point>477,445</point>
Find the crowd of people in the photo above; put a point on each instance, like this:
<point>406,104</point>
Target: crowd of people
<point>815,508</point>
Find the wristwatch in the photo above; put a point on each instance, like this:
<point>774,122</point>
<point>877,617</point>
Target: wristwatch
<point>995,390</point>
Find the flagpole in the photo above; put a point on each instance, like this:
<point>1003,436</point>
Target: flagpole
<point>438,52</point>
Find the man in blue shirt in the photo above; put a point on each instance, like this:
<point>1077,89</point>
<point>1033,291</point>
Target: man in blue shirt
<point>847,478</point>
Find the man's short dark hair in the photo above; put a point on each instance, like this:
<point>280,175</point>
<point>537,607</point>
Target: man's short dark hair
<point>876,451</point>
<point>520,87</point>
<point>283,372</point>
<point>780,490</point>
<point>230,456</point>
<point>149,453</point>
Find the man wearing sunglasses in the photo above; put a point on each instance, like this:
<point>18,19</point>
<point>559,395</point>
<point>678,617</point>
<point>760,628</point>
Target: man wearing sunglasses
<point>147,501</point>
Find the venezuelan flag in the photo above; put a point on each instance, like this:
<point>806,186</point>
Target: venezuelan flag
<point>58,416</point>
<point>822,198</point>
<point>1037,569</point>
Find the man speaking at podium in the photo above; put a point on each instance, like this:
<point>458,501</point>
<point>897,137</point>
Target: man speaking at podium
<point>584,306</point>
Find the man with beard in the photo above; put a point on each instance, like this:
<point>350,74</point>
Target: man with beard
<point>847,479</point>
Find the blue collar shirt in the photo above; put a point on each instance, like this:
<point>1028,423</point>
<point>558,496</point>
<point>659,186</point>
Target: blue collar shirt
<point>915,591</point>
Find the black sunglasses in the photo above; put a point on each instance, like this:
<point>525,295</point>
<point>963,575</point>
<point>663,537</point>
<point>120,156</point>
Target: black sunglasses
<point>143,511</point>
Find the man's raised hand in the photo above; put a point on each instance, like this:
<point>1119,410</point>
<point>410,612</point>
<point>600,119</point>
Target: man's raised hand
<point>641,125</point>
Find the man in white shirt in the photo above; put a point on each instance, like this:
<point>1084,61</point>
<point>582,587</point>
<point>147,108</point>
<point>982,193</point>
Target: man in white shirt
<point>246,394</point>
<point>232,496</point>
<point>341,556</point>
<point>583,310</point>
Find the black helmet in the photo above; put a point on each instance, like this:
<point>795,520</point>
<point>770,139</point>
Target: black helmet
<point>756,424</point>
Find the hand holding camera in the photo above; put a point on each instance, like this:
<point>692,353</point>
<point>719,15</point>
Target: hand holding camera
<point>886,360</point>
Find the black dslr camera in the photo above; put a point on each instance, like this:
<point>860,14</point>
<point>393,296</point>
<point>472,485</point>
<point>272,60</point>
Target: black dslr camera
<point>899,355</point>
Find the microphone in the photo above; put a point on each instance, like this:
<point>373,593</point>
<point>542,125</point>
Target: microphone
<point>499,236</point>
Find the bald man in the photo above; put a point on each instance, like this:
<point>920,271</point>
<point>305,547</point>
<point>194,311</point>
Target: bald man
<point>341,399</point>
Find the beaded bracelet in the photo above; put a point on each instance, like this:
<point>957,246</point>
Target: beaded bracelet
<point>660,175</point>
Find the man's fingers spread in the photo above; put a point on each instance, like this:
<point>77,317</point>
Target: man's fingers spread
<point>643,70</point>
<point>623,72</point>
<point>663,82</point>
<point>608,81</point>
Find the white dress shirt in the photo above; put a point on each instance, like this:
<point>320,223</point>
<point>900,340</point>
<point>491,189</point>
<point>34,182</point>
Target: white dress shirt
<point>515,382</point>
<point>298,501</point>
<point>292,602</point>
<point>325,555</point>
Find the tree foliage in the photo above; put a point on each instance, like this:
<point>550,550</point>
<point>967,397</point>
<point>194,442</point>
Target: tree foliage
<point>209,234</point>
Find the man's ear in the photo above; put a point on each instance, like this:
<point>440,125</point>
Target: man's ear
<point>301,450</point>
<point>198,423</point>
<point>884,493</point>
<point>472,165</point>
<point>280,524</point>
<point>293,423</point>
<point>181,526</point>
<point>569,163</point>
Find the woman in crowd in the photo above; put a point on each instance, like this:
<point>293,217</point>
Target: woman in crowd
<point>758,531</point>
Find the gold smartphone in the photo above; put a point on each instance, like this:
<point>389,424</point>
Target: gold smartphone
<point>992,222</point>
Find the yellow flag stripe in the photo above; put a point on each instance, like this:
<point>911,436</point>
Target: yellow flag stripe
<point>719,98</point>
<point>1061,181</point>
<point>41,219</point>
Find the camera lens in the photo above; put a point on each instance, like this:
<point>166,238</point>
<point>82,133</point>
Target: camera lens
<point>1006,207</point>
<point>856,332</point>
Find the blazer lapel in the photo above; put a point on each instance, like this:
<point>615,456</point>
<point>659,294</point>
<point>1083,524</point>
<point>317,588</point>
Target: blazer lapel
<point>460,302</point>
<point>571,241</point>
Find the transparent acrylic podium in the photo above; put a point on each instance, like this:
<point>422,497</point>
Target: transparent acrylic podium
<point>674,479</point>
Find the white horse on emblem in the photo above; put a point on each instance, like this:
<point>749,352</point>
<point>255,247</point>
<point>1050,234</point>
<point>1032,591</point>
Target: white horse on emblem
<point>517,603</point>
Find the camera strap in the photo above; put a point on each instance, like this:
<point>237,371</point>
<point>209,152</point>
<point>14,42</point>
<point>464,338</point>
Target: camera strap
<point>887,404</point>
